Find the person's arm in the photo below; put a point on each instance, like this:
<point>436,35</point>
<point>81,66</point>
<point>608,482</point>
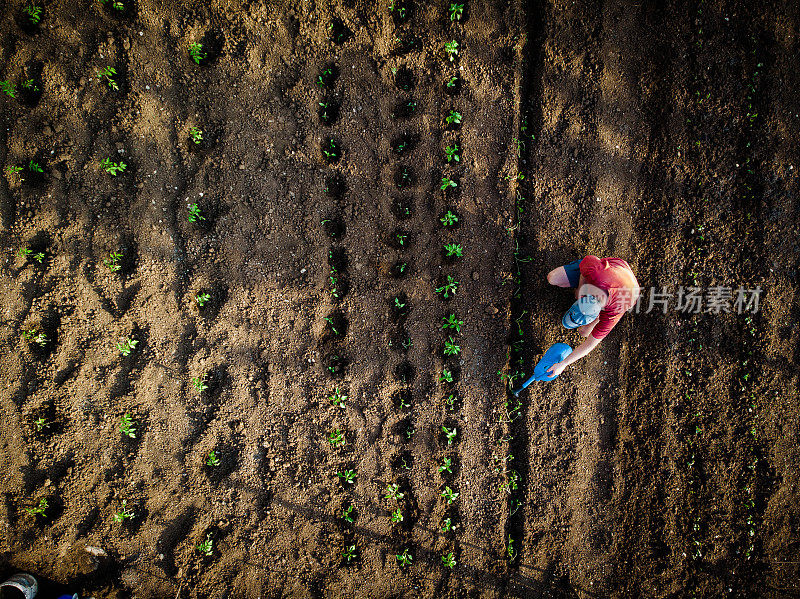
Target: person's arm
<point>580,351</point>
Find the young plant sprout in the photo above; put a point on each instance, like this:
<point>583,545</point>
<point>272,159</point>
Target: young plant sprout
<point>127,426</point>
<point>346,514</point>
<point>34,13</point>
<point>124,513</point>
<point>212,459</point>
<point>447,182</point>
<point>453,118</point>
<point>450,400</point>
<point>401,10</point>
<point>401,239</point>
<point>397,516</point>
<point>347,476</point>
<point>196,135</point>
<point>450,348</point>
<point>449,495</point>
<point>324,76</point>
<point>126,346</point>
<point>207,546</point>
<point>199,383</point>
<point>449,560</point>
<point>35,167</point>
<point>9,89</point>
<point>451,49</point>
<point>510,551</point>
<point>447,525</point>
<point>28,84</point>
<point>404,559</point>
<point>451,287</point>
<point>196,52</point>
<point>450,433</point>
<point>113,168</point>
<point>329,320</point>
<point>108,73</point>
<point>336,437</point>
<point>349,553</point>
<point>201,298</point>
<point>115,4</point>
<point>446,376</point>
<point>452,82</point>
<point>35,336</point>
<point>398,304</point>
<point>453,250</point>
<point>41,424</point>
<point>194,213</point>
<point>456,10</point>
<point>449,219</point>
<point>12,172</point>
<point>337,398</point>
<point>446,465</point>
<point>452,153</point>
<point>39,509</point>
<point>331,151</point>
<point>393,492</point>
<point>112,262</point>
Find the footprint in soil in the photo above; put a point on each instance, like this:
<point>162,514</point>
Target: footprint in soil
<point>405,373</point>
<point>174,532</point>
<point>328,111</point>
<point>402,208</point>
<point>335,186</point>
<point>404,79</point>
<point>338,32</point>
<point>401,340</point>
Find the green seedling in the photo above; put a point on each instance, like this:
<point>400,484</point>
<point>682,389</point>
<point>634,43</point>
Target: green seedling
<point>447,525</point>
<point>401,10</point>
<point>194,213</point>
<point>451,322</point>
<point>449,560</point>
<point>212,459</point>
<point>115,4</point>
<point>196,135</point>
<point>453,250</point>
<point>35,336</point>
<point>346,514</point>
<point>28,84</point>
<point>201,298</point>
<point>41,424</point>
<point>323,76</point>
<point>112,262</point>
<point>35,167</point>
<point>398,304</point>
<point>511,484</point>
<point>450,347</point>
<point>452,82</point>
<point>207,546</point>
<point>331,152</point>
<point>126,346</point>
<point>347,476</point>
<point>451,287</point>
<point>199,383</point>
<point>450,400</point>
<point>196,52</point>
<point>405,403</point>
<point>127,426</point>
<point>452,153</point>
<point>446,376</point>
<point>450,434</point>
<point>334,286</point>
<point>330,324</point>
<point>39,257</point>
<point>9,89</point>
<point>401,239</point>
<point>456,11</point>
<point>38,510</point>
<point>12,172</point>
<point>337,398</point>
<point>447,182</point>
<point>393,492</point>
<point>113,168</point>
<point>449,495</point>
<point>510,551</point>
<point>453,118</point>
<point>397,516</point>
<point>24,252</point>
<point>34,13</point>
<point>124,513</point>
<point>446,466</point>
<point>108,73</point>
<point>336,437</point>
<point>409,433</point>
<point>349,553</point>
<point>404,559</point>
<point>449,219</point>
<point>451,49</point>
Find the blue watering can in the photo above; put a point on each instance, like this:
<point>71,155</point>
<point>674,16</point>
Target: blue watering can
<point>555,353</point>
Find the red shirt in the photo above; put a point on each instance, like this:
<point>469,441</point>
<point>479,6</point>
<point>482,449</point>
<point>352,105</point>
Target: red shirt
<point>615,277</point>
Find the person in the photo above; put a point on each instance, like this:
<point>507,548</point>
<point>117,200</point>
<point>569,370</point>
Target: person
<point>605,288</point>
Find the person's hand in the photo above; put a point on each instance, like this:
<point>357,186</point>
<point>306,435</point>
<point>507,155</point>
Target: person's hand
<point>556,369</point>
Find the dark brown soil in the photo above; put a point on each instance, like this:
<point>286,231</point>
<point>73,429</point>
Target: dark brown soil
<point>665,464</point>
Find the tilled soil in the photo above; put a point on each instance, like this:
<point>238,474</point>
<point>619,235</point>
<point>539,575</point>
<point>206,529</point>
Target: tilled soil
<point>662,465</point>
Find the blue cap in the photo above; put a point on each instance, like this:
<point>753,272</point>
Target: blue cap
<point>582,312</point>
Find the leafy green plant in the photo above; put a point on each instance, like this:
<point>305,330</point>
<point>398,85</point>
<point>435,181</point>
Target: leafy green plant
<point>398,304</point>
<point>453,118</point>
<point>447,183</point>
<point>404,559</point>
<point>401,238</point>
<point>456,11</point>
<point>453,250</point>
<point>451,153</point>
<point>35,167</point>
<point>329,320</point>
<point>446,466</point>
<point>39,509</point>
<point>35,336</point>
<point>449,495</point>
<point>196,52</point>
<point>336,437</point>
<point>196,135</point>
<point>349,553</point>
<point>34,13</point>
<point>12,172</point>
<point>450,434</point>
<point>452,322</point>
<point>29,84</point>
<point>510,551</point>
<point>115,4</point>
<point>449,219</point>
<point>450,347</point>
<point>452,82</point>
<point>195,215</point>
<point>337,398</point>
<point>331,151</point>
<point>126,346</point>
<point>446,376</point>
<point>124,513</point>
<point>393,492</point>
<point>113,168</point>
<point>395,7</point>
<point>206,547</point>
<point>201,297</point>
<point>450,400</point>
<point>397,516</point>
<point>451,49</point>
<point>199,383</point>
<point>447,525</point>
<point>212,459</point>
<point>41,424</point>
<point>108,73</point>
<point>127,426</point>
<point>347,476</point>
<point>449,288</point>
<point>9,89</point>
<point>449,560</point>
<point>346,514</point>
<point>511,484</point>
<point>112,262</point>
<point>325,76</point>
